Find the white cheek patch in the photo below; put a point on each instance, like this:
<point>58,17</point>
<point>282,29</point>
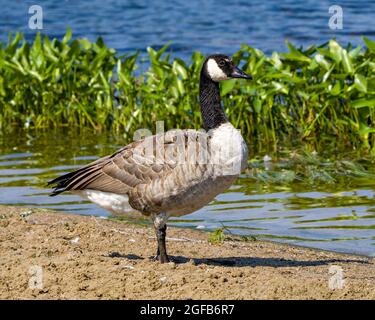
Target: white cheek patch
<point>215,72</point>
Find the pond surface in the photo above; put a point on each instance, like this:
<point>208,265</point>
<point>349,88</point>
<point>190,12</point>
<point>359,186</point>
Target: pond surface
<point>335,216</point>
<point>208,26</point>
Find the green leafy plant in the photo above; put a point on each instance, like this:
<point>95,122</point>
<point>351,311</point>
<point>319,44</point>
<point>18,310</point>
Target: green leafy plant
<point>322,92</point>
<point>217,236</point>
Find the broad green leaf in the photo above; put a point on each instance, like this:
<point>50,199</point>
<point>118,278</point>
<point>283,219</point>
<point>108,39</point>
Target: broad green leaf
<point>36,75</point>
<point>371,85</point>
<point>354,53</point>
<point>360,82</point>
<point>162,50</point>
<point>335,50</point>
<point>67,36</point>
<point>369,43</point>
<point>360,103</point>
<point>322,61</point>
<point>180,86</point>
<point>347,62</point>
<point>327,74</point>
<point>279,87</point>
<point>295,54</point>
<point>85,43</point>
<point>336,89</point>
<point>227,86</point>
<point>179,69</point>
<point>257,105</point>
<point>276,60</point>
<point>151,52</point>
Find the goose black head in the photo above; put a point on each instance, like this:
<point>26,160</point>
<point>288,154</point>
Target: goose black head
<point>219,67</point>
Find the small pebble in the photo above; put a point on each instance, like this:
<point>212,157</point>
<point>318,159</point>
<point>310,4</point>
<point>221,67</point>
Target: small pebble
<point>75,240</point>
<point>127,267</point>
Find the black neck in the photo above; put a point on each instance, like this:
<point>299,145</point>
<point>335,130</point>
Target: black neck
<point>209,97</point>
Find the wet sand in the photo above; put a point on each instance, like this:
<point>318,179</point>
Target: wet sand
<point>49,255</point>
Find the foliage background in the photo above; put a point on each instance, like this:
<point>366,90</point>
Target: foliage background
<point>323,92</point>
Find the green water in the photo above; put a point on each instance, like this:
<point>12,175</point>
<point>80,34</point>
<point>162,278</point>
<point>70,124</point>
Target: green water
<point>324,206</point>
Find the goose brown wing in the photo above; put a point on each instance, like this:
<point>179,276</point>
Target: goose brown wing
<point>140,162</point>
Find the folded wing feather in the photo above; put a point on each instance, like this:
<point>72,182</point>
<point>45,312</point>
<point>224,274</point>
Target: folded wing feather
<point>148,171</point>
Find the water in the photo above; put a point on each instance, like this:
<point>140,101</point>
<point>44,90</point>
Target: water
<point>339,217</point>
<point>208,26</point>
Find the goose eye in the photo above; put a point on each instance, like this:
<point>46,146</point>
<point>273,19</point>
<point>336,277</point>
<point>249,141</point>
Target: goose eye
<point>221,63</point>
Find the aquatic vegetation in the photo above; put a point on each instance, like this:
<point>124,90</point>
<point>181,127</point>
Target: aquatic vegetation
<point>320,92</point>
<point>308,168</point>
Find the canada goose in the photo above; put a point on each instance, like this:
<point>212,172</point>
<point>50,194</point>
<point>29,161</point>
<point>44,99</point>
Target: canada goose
<point>172,173</point>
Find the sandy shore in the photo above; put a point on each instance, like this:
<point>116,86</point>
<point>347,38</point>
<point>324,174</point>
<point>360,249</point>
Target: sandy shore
<point>48,255</point>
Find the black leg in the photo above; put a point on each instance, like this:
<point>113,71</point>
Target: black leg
<point>161,253</point>
<point>156,257</point>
